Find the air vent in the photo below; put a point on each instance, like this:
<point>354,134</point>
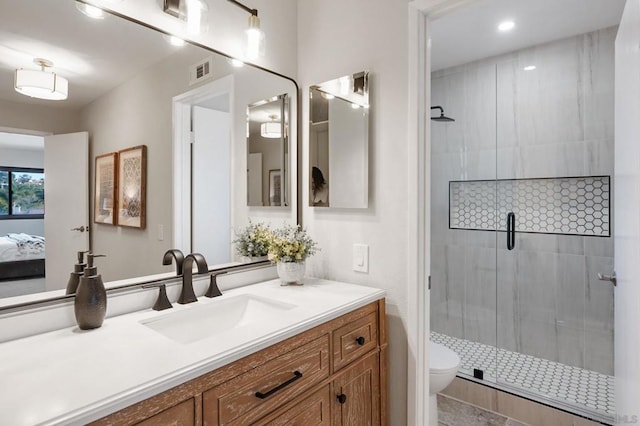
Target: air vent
<point>201,71</point>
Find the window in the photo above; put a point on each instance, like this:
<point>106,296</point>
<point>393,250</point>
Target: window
<point>21,193</point>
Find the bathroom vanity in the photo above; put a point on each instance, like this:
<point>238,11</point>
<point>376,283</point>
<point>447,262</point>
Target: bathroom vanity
<point>258,354</point>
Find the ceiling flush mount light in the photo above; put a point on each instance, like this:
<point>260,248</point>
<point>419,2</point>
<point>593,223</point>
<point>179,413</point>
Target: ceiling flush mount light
<point>254,47</point>
<point>41,84</point>
<point>529,68</point>
<point>506,26</point>
<point>271,129</point>
<point>90,11</point>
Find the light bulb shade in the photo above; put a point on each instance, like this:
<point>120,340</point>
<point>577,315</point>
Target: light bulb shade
<point>41,84</point>
<point>255,39</point>
<point>271,129</point>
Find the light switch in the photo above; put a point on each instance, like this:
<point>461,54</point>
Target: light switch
<point>160,232</point>
<point>361,258</point>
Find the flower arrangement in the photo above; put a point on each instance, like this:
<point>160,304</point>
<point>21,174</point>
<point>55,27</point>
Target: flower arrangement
<point>291,244</point>
<point>253,240</point>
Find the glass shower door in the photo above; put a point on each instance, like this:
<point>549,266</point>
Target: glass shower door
<point>554,317</point>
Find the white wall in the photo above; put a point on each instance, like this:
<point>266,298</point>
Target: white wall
<point>337,38</point>
<point>40,118</point>
<point>627,215</point>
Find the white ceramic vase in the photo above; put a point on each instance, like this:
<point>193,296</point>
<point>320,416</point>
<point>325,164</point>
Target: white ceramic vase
<point>290,273</point>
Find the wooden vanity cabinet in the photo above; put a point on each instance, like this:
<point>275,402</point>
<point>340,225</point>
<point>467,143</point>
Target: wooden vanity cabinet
<point>333,374</point>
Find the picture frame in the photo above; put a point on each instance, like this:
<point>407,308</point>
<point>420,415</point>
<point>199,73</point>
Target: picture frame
<point>105,189</point>
<point>132,187</point>
<point>275,187</point>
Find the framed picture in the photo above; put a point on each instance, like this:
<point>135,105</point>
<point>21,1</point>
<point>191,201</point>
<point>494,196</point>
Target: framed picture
<point>104,190</point>
<point>275,187</point>
<point>132,187</point>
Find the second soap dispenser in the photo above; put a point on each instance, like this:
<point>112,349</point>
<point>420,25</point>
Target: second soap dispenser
<point>91,297</point>
<point>74,277</point>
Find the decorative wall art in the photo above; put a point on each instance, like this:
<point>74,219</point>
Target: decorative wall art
<point>132,187</point>
<point>105,184</point>
<point>275,187</point>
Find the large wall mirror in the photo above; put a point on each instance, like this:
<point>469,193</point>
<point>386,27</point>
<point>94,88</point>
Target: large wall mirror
<point>339,142</point>
<point>128,86</point>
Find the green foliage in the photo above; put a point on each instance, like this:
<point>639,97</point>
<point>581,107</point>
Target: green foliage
<point>253,241</point>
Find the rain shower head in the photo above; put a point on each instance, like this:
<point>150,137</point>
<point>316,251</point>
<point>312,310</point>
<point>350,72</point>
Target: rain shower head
<point>442,116</point>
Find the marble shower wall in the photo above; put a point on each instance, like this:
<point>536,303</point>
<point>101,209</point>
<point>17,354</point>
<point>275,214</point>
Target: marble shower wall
<point>543,298</point>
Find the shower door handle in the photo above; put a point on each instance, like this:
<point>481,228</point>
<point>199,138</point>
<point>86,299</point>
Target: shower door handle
<point>511,231</point>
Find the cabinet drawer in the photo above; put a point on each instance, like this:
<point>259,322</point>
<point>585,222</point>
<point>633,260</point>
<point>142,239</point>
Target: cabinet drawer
<point>354,340</point>
<point>311,411</point>
<point>182,414</point>
<point>255,393</point>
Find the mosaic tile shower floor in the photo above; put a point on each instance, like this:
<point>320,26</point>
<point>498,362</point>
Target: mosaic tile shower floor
<point>574,386</point>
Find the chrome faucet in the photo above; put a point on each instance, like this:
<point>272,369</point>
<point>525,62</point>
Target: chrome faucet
<point>174,254</point>
<point>187,295</point>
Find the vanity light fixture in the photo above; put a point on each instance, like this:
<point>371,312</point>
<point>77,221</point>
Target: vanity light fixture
<point>255,36</point>
<point>529,68</point>
<point>505,26</point>
<point>40,83</point>
<point>90,11</point>
<point>271,129</point>
<point>192,12</point>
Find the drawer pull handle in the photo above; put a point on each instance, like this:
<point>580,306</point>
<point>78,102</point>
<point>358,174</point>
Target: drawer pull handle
<point>360,340</point>
<point>342,398</point>
<point>296,376</point>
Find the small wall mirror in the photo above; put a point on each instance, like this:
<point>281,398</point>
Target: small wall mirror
<point>339,142</point>
<point>268,152</point>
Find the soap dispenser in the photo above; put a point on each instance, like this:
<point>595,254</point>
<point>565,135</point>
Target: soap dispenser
<point>91,297</point>
<point>74,277</point>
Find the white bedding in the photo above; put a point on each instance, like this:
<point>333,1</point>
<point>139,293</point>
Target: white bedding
<point>9,251</point>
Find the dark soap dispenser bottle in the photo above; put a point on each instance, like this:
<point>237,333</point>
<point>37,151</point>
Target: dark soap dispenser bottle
<point>91,297</point>
<point>74,277</point>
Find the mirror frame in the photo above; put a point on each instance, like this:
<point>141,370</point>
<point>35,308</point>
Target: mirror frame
<point>48,301</point>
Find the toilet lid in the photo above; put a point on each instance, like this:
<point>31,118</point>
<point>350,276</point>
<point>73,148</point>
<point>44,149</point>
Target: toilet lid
<point>442,358</point>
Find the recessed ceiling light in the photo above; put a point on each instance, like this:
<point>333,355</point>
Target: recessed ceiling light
<point>506,26</point>
<point>529,68</point>
<point>90,11</point>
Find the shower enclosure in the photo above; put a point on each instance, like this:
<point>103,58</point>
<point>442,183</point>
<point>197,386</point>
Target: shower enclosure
<point>521,221</point>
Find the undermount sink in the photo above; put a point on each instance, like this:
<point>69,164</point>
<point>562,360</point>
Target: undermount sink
<point>219,316</point>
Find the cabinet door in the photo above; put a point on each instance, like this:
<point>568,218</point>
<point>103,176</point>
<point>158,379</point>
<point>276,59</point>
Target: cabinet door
<point>182,414</point>
<point>356,394</point>
<point>311,411</point>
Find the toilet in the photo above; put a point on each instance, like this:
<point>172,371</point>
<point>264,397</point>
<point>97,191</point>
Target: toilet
<point>443,366</point>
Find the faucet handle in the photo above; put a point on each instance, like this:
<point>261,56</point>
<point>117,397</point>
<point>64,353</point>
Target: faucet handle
<point>213,290</point>
<point>162,302</point>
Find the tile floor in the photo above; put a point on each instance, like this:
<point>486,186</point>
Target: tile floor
<point>452,412</point>
<point>584,389</point>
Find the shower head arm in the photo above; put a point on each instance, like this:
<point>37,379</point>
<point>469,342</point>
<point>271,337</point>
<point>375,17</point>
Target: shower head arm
<point>440,108</point>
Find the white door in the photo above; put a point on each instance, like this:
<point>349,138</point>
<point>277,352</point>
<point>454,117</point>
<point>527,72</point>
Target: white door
<point>66,194</point>
<point>211,182</point>
<point>626,209</point>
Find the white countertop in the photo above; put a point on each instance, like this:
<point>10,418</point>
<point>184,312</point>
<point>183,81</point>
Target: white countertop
<point>71,376</point>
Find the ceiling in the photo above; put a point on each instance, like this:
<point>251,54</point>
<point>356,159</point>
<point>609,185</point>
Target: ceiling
<point>94,55</point>
<point>470,33</point>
